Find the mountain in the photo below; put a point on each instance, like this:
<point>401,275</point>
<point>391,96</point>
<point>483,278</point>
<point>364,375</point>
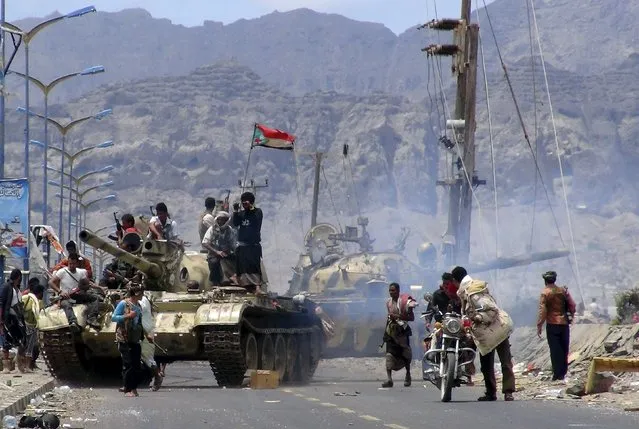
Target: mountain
<point>303,51</point>
<point>180,139</point>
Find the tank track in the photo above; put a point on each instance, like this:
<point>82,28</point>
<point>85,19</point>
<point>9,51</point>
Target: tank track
<point>61,356</point>
<point>224,350</point>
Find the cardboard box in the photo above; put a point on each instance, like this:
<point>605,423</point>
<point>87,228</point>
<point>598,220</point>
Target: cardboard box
<point>264,379</point>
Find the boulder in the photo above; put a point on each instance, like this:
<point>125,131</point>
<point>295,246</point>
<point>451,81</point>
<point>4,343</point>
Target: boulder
<point>611,346</point>
<point>603,382</point>
<point>577,388</point>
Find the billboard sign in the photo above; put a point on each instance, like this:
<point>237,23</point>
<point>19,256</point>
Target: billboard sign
<point>14,215</point>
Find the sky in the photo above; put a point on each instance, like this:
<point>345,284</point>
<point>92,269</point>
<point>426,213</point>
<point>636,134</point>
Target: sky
<point>398,15</point>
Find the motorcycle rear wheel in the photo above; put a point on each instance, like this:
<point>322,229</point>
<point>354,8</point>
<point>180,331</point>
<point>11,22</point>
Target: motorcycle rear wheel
<point>449,380</point>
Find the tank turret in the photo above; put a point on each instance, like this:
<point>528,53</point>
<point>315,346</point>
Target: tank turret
<point>165,263</point>
<point>151,270</point>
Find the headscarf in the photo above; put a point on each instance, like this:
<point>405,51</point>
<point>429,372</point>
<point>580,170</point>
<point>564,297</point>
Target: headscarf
<point>222,214</point>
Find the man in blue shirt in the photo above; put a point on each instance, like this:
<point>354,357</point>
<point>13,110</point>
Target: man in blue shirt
<point>129,333</point>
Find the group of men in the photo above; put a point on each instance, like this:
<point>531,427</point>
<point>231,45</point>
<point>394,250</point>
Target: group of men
<point>18,321</point>
<point>20,309</point>
<point>233,243</point>
<point>491,328</point>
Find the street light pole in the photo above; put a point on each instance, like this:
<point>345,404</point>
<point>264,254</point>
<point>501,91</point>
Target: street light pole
<point>64,129</point>
<point>46,90</point>
<point>79,196</point>
<point>2,54</point>
<point>72,158</point>
<point>86,206</point>
<point>27,36</point>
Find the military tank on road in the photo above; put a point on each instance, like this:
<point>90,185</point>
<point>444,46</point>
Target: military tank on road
<point>233,330</point>
<point>352,287</point>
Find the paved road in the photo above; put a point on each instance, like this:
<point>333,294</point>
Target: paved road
<point>190,398</point>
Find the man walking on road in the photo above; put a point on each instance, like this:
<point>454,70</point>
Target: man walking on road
<point>555,307</point>
<point>491,330</point>
<point>129,333</point>
<point>397,334</point>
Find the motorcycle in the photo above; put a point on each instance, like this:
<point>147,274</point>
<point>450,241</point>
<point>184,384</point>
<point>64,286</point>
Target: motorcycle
<point>445,361</point>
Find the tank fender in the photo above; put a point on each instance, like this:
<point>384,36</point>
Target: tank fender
<point>53,317</point>
<point>220,313</point>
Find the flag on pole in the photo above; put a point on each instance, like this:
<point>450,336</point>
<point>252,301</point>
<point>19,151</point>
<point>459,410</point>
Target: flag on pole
<point>271,137</point>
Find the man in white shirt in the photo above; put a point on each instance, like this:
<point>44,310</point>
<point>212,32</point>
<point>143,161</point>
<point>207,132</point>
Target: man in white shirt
<point>64,282</point>
<point>148,348</point>
<point>161,226</point>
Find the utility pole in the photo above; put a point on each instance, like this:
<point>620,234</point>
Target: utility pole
<point>252,186</point>
<point>318,165</point>
<point>464,53</point>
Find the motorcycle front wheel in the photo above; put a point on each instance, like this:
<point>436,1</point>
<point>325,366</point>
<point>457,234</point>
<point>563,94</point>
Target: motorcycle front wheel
<point>449,380</point>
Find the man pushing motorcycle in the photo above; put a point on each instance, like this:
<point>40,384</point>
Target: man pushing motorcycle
<point>491,329</point>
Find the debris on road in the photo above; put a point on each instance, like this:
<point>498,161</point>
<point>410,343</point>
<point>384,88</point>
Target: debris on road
<point>345,394</point>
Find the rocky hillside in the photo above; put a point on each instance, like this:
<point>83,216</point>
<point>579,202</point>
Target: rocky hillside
<point>355,57</point>
<point>182,139</point>
<point>182,127</point>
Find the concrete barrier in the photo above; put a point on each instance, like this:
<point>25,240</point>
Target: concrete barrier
<point>603,364</point>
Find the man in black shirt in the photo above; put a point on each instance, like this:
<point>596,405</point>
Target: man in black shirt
<point>445,295</point>
<point>249,248</point>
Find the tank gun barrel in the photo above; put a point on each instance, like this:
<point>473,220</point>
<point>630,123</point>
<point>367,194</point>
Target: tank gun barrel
<point>526,259</point>
<point>151,269</point>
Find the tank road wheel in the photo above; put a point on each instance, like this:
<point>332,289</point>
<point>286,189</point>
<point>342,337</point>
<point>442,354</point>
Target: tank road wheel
<point>304,360</point>
<point>315,352</point>
<point>250,352</point>
<point>267,352</point>
<point>291,357</point>
<point>280,356</point>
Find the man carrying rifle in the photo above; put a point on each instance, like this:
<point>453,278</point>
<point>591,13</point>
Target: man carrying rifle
<point>117,272</point>
<point>127,226</point>
<point>73,286</point>
<point>397,334</point>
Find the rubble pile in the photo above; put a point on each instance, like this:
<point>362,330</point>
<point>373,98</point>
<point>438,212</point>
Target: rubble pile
<point>534,371</point>
<point>55,409</point>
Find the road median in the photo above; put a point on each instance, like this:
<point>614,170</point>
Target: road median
<point>16,390</point>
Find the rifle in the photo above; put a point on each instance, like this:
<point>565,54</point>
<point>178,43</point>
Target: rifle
<point>118,226</point>
<point>226,206</point>
<point>124,280</point>
<point>385,336</point>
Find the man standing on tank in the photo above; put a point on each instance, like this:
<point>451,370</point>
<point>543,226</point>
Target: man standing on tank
<point>207,217</point>
<point>161,226</point>
<point>249,248</point>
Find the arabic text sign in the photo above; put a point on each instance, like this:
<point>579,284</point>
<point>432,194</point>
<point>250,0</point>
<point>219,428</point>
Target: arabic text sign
<point>14,215</point>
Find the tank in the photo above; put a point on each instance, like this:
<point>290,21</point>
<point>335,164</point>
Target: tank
<point>352,288</point>
<point>233,330</point>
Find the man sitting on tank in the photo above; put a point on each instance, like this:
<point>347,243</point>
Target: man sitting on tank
<point>72,284</point>
<point>117,273</point>
<point>219,241</point>
<point>249,248</point>
<point>83,262</point>
<point>161,226</point>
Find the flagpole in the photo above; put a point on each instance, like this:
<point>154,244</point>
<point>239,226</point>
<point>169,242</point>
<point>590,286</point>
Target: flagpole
<point>248,161</point>
<point>297,188</point>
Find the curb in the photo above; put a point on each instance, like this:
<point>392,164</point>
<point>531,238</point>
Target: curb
<point>21,404</point>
